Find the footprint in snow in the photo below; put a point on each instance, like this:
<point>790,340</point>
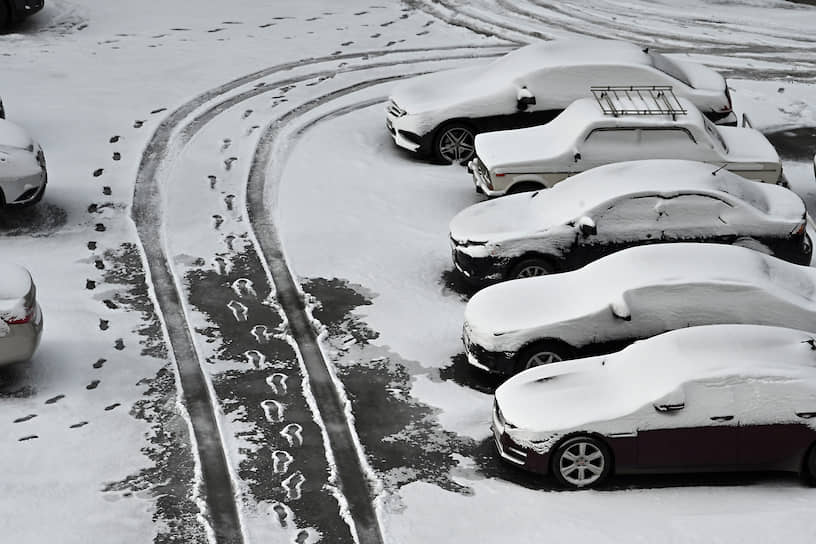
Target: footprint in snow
<point>104,324</point>
<point>239,310</point>
<point>230,239</point>
<point>228,162</point>
<point>106,190</point>
<point>92,245</point>
<point>99,264</point>
<point>228,201</point>
<point>346,44</point>
<point>117,156</point>
<point>255,358</point>
<point>111,305</point>
<point>273,411</point>
<point>93,385</point>
<point>376,35</point>
<point>112,406</point>
<point>214,30</point>
<point>98,172</point>
<point>93,208</point>
<point>243,287</point>
<point>281,512</point>
<point>293,485</point>
<point>277,382</point>
<point>220,265</point>
<point>218,221</point>
<point>360,13</point>
<point>246,114</point>
<point>114,139</point>
<point>78,425</point>
<point>302,537</point>
<point>29,437</point>
<point>100,227</point>
<point>422,33</point>
<point>293,433</point>
<point>119,344</point>
<point>138,123</point>
<point>25,418</point>
<point>159,110</point>
<point>281,461</point>
<point>213,180</point>
<point>252,129</point>
<point>261,334</point>
<point>90,284</point>
<point>387,24</point>
<point>100,363</point>
<point>52,400</point>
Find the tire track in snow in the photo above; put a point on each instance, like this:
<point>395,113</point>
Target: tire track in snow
<point>146,213</point>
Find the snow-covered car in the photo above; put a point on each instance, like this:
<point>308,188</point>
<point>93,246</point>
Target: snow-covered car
<point>588,134</point>
<point>21,321</point>
<point>12,11</point>
<point>439,114</point>
<point>714,398</point>
<point>630,295</point>
<point>23,174</point>
<point>620,205</point>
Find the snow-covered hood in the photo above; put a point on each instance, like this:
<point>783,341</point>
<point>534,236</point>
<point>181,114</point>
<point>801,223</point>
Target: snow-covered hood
<point>15,284</point>
<point>496,219</point>
<point>441,90</point>
<point>702,77</point>
<point>748,145</point>
<point>523,150</point>
<point>14,137</point>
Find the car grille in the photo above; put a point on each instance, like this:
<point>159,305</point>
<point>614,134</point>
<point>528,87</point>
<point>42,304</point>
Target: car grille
<point>395,110</point>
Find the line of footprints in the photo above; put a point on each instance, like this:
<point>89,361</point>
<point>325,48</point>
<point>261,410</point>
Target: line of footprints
<point>274,410</point>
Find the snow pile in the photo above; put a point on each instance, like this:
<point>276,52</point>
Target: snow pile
<point>655,371</point>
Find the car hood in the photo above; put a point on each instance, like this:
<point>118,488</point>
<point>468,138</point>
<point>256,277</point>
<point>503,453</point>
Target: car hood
<point>702,77</point>
<point>748,145</point>
<point>496,219</point>
<point>522,150</point>
<point>443,90</point>
<point>14,137</point>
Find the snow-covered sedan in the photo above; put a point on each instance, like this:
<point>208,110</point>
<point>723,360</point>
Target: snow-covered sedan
<point>21,320</point>
<point>715,398</point>
<point>620,205</point>
<point>588,134</point>
<point>439,114</point>
<point>630,295</point>
<point>23,174</point>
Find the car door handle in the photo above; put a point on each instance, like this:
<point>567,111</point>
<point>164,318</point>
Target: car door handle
<point>722,418</point>
<point>806,415</point>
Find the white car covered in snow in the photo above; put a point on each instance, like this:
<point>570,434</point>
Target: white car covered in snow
<point>587,134</point>
<point>715,398</point>
<point>620,205</point>
<point>21,320</point>
<point>439,114</point>
<point>23,174</point>
<point>633,294</point>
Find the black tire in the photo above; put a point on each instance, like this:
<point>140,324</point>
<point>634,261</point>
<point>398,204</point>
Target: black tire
<point>542,353</point>
<point>581,462</point>
<point>454,143</point>
<point>809,466</point>
<point>525,187</point>
<point>530,267</point>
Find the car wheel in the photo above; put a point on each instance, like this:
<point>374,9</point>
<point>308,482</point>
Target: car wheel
<point>455,143</point>
<point>529,268</point>
<point>810,466</point>
<point>752,243</point>
<point>581,462</point>
<point>543,353</point>
<point>525,187</point>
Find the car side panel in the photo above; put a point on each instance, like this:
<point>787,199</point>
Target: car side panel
<point>774,446</point>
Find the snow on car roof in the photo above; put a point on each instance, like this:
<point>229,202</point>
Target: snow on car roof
<point>571,52</point>
<point>554,397</point>
<point>12,135</point>
<point>533,302</point>
<point>592,188</point>
<point>560,137</point>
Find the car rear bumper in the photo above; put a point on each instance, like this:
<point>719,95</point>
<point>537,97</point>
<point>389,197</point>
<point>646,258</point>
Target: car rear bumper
<point>22,340</point>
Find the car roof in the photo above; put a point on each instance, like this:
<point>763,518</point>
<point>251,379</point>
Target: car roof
<point>624,382</point>
<point>598,186</point>
<point>587,112</point>
<point>572,52</point>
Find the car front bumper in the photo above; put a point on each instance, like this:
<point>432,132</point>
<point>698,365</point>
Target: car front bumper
<point>22,340</point>
<point>481,179</point>
<point>515,454</point>
<point>487,361</point>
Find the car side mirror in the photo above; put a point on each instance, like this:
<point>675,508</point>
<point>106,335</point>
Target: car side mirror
<point>673,402</point>
<point>524,99</point>
<point>587,226</point>
<point>576,157</point>
<point>620,309</point>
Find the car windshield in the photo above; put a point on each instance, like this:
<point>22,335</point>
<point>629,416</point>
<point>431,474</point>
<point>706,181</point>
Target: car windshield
<point>667,66</point>
<point>747,192</point>
<point>714,133</point>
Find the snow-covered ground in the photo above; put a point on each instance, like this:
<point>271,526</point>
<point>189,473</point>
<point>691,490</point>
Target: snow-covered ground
<point>96,446</point>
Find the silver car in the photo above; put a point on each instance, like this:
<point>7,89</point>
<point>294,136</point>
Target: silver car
<point>21,321</point>
<point>23,174</point>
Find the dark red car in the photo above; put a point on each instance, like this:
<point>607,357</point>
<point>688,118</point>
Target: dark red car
<point>713,398</point>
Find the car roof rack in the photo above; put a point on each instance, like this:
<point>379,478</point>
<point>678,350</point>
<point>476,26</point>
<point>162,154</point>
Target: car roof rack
<point>638,100</point>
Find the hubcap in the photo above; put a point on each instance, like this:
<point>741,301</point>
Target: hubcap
<point>456,144</point>
<point>532,271</point>
<point>581,464</point>
<point>542,358</point>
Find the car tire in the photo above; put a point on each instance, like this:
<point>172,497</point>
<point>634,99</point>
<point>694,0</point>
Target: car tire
<point>454,143</point>
<point>525,187</point>
<point>530,267</point>
<point>581,462</point>
<point>752,243</point>
<point>5,18</point>
<point>809,468</point>
<point>543,353</point>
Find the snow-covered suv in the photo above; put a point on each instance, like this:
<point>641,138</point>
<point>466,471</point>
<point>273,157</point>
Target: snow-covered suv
<point>439,114</point>
<point>587,135</point>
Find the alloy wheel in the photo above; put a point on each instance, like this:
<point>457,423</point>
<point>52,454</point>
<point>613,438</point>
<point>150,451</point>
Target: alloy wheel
<point>456,144</point>
<point>582,463</point>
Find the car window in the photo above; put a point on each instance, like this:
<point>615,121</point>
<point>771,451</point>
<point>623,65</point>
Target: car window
<point>714,134</point>
<point>666,142</point>
<point>692,216</point>
<point>639,143</point>
<point>630,214</point>
<point>609,144</point>
<point>669,67</point>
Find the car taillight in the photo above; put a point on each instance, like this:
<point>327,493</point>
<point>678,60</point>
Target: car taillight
<point>24,320</point>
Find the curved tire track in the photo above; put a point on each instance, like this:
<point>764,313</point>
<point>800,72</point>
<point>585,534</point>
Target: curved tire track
<point>146,213</point>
